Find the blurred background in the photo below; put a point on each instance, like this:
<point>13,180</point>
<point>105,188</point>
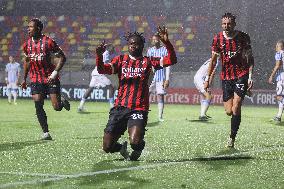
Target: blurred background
<point>79,26</point>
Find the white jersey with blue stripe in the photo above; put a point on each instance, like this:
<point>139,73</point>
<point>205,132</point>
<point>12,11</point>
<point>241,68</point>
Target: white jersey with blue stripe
<point>160,75</point>
<point>202,72</point>
<point>106,59</point>
<point>13,71</point>
<point>279,56</point>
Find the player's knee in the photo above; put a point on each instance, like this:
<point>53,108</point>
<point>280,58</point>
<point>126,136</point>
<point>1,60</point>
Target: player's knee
<point>229,112</point>
<point>138,146</point>
<point>106,149</point>
<point>56,107</point>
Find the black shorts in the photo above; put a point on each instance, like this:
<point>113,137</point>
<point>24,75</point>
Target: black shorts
<point>45,89</point>
<point>121,118</point>
<point>238,86</point>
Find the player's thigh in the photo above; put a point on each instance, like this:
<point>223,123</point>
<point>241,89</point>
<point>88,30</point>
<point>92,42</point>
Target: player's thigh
<point>241,86</point>
<point>199,84</point>
<point>54,93</point>
<point>117,122</point>
<point>38,91</point>
<point>160,90</point>
<point>136,125</point>
<point>152,88</point>
<point>280,88</point>
<point>94,82</point>
<point>228,90</point>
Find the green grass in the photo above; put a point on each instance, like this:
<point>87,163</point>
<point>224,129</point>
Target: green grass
<point>180,152</point>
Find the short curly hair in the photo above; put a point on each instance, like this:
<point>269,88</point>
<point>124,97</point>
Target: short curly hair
<point>229,15</point>
<point>129,35</point>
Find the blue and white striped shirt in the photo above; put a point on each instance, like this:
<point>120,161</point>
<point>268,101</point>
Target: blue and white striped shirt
<point>160,75</point>
<point>279,56</point>
<point>13,71</point>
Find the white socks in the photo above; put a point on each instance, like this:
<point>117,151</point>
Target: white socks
<point>82,103</point>
<point>280,110</point>
<point>204,107</point>
<point>14,93</point>
<point>161,109</point>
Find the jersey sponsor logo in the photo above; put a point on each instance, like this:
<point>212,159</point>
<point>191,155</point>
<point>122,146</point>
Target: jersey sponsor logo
<point>34,56</point>
<point>133,72</point>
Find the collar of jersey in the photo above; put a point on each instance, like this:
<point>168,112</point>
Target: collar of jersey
<point>133,58</point>
<point>235,34</point>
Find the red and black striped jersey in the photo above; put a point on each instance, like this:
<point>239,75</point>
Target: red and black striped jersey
<point>233,53</point>
<point>39,54</point>
<point>133,75</point>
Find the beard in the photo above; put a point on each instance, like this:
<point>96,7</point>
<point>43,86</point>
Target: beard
<point>136,53</point>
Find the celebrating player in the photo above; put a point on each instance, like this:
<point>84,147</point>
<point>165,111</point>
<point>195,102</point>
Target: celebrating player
<point>12,79</point>
<point>99,80</point>
<point>278,71</point>
<point>132,103</point>
<point>161,78</point>
<point>38,51</point>
<point>234,49</point>
<point>199,80</point>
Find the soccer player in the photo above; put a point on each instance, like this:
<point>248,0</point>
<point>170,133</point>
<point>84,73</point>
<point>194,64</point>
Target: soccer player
<point>199,80</point>
<point>12,70</point>
<point>132,103</point>
<point>44,75</point>
<point>278,71</point>
<point>161,78</point>
<point>234,49</point>
<point>99,80</point>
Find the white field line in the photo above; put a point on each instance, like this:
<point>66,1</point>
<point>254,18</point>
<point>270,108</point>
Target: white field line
<point>56,177</point>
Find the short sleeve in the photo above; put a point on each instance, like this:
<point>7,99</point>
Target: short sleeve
<point>54,48</point>
<point>215,45</point>
<point>156,62</point>
<point>278,56</point>
<point>25,50</point>
<point>114,64</point>
<point>106,58</point>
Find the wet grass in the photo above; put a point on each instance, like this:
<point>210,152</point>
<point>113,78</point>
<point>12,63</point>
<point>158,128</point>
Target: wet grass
<point>181,152</point>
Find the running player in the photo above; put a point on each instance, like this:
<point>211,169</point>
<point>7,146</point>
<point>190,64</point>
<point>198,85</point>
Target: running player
<point>132,103</point>
<point>99,81</point>
<point>278,71</point>
<point>44,75</point>
<point>161,78</point>
<point>234,49</point>
<point>199,80</point>
<point>12,70</point>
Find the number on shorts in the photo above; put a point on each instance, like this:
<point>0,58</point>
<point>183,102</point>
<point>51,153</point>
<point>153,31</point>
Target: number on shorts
<point>137,116</point>
<point>240,86</point>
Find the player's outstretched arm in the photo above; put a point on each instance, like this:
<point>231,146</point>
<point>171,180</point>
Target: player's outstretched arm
<point>102,68</point>
<point>171,58</point>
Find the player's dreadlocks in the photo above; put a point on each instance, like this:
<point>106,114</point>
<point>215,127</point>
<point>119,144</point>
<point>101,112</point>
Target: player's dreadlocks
<point>129,35</point>
<point>229,15</point>
<point>38,23</point>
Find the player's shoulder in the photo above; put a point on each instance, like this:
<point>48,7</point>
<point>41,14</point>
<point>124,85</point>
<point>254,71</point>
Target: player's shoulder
<point>243,34</point>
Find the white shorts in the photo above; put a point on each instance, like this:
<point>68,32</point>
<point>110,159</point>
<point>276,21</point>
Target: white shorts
<point>280,88</point>
<point>99,81</point>
<point>12,86</point>
<point>199,83</point>
<point>157,87</point>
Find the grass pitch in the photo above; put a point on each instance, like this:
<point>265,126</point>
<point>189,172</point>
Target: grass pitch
<point>180,152</point>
